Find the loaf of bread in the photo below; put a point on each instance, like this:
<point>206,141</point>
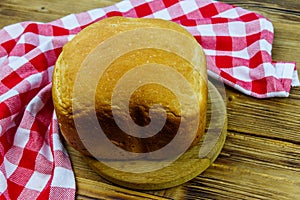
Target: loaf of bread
<point>131,51</point>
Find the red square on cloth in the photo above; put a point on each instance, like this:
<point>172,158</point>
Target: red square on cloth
<point>168,3</point>
<point>39,62</point>
<point>17,189</point>
<point>209,10</point>
<point>144,9</point>
<point>28,162</point>
<point>5,111</point>
<point>11,80</point>
<point>33,28</point>
<point>256,86</point>
<point>224,43</point>
<point>224,61</point>
<point>8,45</point>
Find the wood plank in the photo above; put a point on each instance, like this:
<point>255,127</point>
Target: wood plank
<point>95,189</point>
<point>251,168</point>
<point>276,118</point>
<point>44,11</point>
<point>290,6</point>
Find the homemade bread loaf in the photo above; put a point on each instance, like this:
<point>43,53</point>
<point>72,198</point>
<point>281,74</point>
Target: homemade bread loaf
<point>81,53</point>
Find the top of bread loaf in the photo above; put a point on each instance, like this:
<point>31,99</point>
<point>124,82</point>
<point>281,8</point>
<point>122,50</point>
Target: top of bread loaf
<point>88,50</point>
<point>75,52</point>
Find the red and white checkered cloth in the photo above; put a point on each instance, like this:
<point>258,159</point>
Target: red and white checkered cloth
<point>33,162</point>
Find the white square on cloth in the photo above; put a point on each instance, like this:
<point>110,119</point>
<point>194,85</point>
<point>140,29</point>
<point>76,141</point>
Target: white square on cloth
<point>242,73</point>
<point>37,181</point>
<point>61,178</point>
<point>162,14</point>
<point>237,29</point>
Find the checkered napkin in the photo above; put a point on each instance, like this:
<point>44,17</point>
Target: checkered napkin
<point>33,162</point>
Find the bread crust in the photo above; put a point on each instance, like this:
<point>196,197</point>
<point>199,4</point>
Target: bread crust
<point>73,56</point>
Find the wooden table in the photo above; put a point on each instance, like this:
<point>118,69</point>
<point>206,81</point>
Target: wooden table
<point>261,156</point>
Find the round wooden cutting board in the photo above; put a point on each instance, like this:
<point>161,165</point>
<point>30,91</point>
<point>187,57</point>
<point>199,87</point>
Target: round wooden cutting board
<point>189,165</point>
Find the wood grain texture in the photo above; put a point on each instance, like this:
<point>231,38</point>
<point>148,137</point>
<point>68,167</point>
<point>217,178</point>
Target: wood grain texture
<point>261,156</point>
<point>13,11</point>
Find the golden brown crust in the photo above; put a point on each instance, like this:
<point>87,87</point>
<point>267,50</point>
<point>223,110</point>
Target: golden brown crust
<point>75,52</point>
